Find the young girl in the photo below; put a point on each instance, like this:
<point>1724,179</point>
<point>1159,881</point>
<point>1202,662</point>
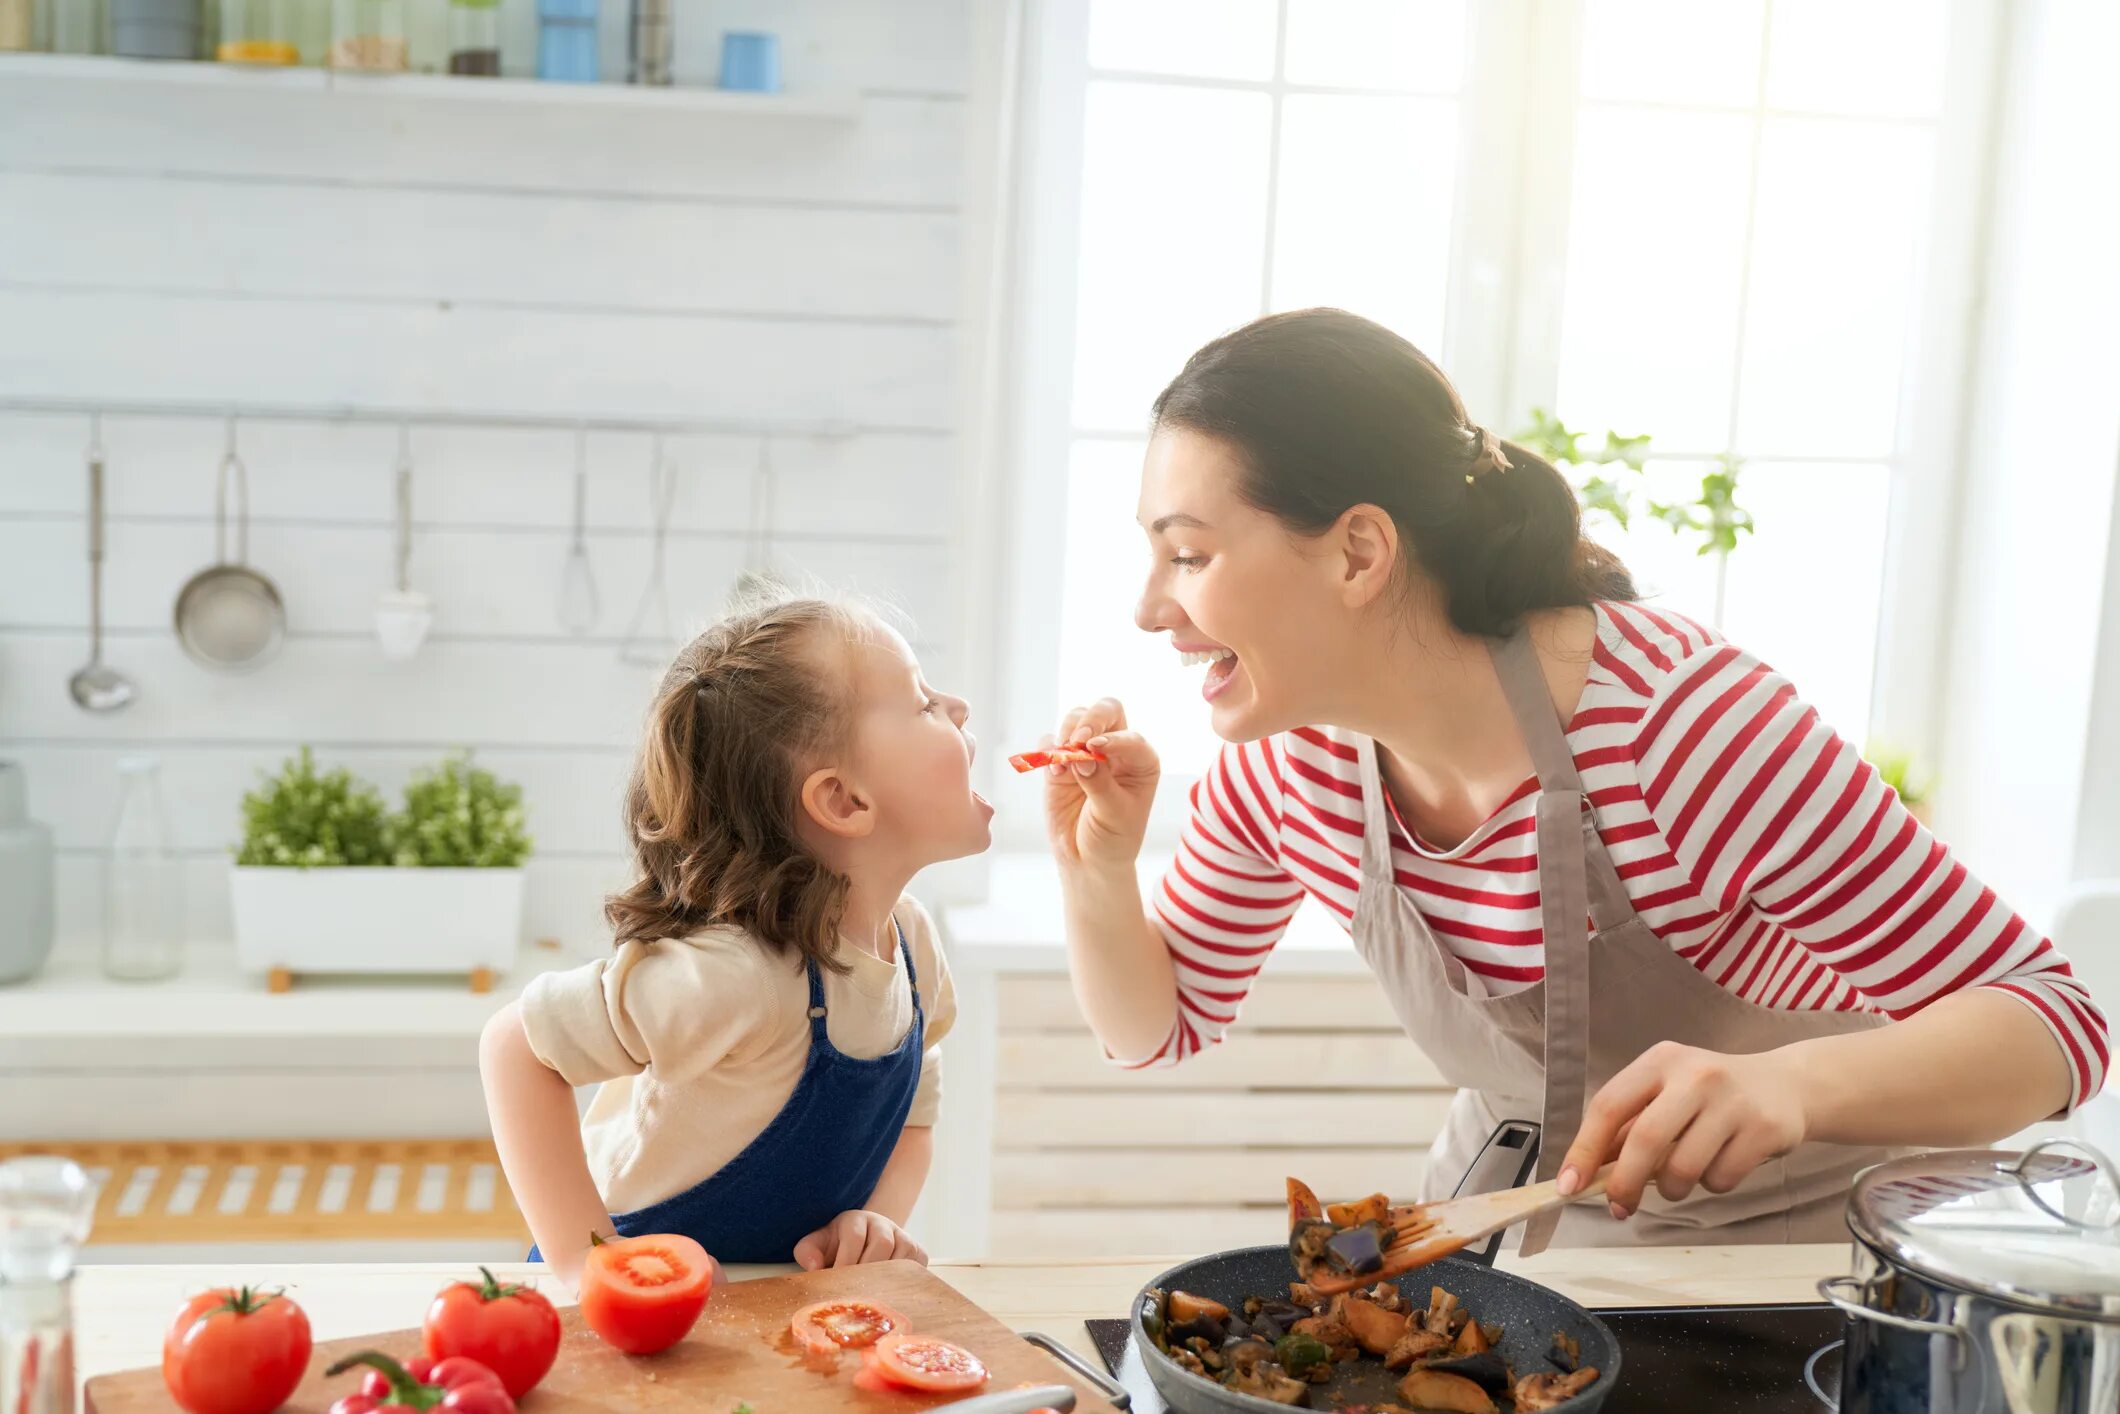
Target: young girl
<point>766,1031</point>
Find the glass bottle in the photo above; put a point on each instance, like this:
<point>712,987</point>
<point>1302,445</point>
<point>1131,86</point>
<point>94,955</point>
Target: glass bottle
<point>143,888</point>
<point>258,32</point>
<point>18,24</point>
<point>46,1206</point>
<point>566,41</point>
<point>475,38</point>
<point>369,34</point>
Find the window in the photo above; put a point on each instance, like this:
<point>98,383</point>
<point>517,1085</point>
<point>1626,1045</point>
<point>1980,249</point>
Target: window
<point>1707,223</point>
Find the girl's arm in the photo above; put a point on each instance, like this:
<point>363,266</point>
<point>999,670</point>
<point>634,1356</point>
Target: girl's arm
<point>538,1134</point>
<point>905,1174</point>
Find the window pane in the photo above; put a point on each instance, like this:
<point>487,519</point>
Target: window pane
<point>1857,56</point>
<point>1218,39</point>
<point>1669,572</point>
<point>1173,245</point>
<point>1672,51</point>
<point>1101,652</point>
<point>1364,209</point>
<point>1377,43</point>
<point>1835,256</point>
<point>1804,588</point>
<point>1655,263</point>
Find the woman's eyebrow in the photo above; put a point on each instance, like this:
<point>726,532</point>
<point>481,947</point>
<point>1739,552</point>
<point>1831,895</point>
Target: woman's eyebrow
<point>1163,523</point>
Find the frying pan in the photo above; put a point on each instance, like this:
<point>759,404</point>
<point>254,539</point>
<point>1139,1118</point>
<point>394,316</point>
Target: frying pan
<point>1530,1315</point>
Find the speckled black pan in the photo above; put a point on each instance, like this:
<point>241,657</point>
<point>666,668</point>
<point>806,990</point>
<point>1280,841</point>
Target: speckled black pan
<point>1529,1315</point>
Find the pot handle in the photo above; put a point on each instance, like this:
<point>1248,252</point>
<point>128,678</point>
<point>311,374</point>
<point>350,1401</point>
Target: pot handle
<point>1834,1290</point>
<point>1114,1393</point>
<point>2096,1156</point>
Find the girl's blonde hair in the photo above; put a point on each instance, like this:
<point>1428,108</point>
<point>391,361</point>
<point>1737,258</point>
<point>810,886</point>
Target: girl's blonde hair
<point>747,708</point>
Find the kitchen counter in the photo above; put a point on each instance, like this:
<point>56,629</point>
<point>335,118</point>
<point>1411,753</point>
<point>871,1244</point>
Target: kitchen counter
<point>120,1311</point>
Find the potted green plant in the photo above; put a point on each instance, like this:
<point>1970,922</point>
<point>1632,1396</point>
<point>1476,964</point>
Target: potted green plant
<point>327,880</point>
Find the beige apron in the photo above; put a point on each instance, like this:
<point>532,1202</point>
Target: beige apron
<point>1537,1054</point>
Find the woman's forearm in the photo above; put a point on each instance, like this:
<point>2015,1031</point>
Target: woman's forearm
<point>904,1174</point>
<point>538,1135</point>
<point>1969,1069</point>
<point>1122,972</point>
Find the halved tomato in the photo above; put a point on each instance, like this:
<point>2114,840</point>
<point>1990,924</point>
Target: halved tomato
<point>643,1293</point>
<point>924,1363</point>
<point>848,1323</point>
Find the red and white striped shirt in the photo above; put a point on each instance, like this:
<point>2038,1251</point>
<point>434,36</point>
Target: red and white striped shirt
<point>1750,837</point>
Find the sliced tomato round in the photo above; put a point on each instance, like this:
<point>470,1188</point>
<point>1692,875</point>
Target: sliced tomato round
<point>870,1376</point>
<point>925,1363</point>
<point>848,1323</point>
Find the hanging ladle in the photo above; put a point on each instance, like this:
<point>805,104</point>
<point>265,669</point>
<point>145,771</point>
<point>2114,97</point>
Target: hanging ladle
<point>97,687</point>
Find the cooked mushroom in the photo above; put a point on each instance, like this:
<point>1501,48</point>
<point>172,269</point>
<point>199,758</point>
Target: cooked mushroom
<point>1387,1295</point>
<point>1566,1353</point>
<point>1427,1389</point>
<point>1417,1344</point>
<point>1268,1381</point>
<point>1188,1361</point>
<point>1472,1340</point>
<point>1375,1329</point>
<point>1302,1293</point>
<point>1443,1314</point>
<point>1308,1244</point>
<point>1243,1352</point>
<point>1534,1392</point>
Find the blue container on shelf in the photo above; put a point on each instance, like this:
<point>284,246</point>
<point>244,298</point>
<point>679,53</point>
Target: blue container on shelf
<point>566,41</point>
<point>750,62</point>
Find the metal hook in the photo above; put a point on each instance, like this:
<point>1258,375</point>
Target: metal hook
<point>404,508</point>
<point>231,462</point>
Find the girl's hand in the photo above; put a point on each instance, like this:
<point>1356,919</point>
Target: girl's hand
<point>1685,1117</point>
<point>857,1236</point>
<point>1097,812</point>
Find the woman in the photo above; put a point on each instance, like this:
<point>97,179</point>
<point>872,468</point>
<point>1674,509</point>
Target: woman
<point>1614,876</point>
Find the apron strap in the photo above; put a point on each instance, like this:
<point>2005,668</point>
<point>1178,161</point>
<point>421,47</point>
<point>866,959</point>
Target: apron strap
<point>818,1032</point>
<point>1568,847</point>
<point>912,973</point>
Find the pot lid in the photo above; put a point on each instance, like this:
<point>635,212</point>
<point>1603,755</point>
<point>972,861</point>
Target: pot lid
<point>2038,1229</point>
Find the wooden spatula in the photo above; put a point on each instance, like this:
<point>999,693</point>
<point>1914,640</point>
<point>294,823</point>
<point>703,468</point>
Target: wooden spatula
<point>1423,1232</point>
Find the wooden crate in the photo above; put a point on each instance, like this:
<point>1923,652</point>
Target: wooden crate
<point>1317,1080</point>
<point>294,1190</point>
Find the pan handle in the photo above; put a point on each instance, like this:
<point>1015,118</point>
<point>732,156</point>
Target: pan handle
<point>1114,1393</point>
<point>231,462</point>
<point>1510,1154</point>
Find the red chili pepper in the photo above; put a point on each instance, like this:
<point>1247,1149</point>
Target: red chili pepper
<point>456,1384</point>
<point>1054,756</point>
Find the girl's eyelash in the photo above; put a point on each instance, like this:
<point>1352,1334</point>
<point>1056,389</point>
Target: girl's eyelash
<point>1188,562</point>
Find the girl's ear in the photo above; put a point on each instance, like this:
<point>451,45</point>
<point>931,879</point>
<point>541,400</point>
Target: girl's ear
<point>836,805</point>
<point>1367,542</point>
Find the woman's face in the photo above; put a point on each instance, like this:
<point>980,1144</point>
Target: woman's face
<point>1264,612</point>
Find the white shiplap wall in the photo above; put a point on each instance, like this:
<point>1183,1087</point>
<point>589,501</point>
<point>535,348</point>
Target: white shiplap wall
<point>220,243</point>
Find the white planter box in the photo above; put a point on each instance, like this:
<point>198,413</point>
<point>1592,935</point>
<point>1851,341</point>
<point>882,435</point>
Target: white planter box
<point>377,920</point>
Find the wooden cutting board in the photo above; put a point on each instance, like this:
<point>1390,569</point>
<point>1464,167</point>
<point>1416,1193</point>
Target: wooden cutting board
<point>733,1355</point>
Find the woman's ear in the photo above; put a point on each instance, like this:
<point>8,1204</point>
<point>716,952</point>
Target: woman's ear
<point>836,805</point>
<point>1366,547</point>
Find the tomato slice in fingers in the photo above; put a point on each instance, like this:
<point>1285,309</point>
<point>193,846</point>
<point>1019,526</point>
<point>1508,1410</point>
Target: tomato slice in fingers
<point>924,1363</point>
<point>847,1323</point>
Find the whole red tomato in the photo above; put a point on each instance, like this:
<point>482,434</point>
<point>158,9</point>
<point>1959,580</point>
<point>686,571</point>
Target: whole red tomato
<point>235,1350</point>
<point>511,1330</point>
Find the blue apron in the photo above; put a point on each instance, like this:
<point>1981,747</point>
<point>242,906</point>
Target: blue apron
<point>821,1156</point>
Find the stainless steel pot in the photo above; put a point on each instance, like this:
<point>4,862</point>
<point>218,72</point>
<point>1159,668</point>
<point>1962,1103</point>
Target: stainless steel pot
<point>1985,1282</point>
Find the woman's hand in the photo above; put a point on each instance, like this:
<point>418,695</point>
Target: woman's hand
<point>1097,812</point>
<point>1685,1117</point>
<point>857,1235</point>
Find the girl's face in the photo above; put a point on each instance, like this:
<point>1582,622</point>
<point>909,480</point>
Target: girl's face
<point>1268,614</point>
<point>912,755</point>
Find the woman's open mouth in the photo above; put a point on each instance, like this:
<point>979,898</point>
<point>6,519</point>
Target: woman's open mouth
<point>1221,665</point>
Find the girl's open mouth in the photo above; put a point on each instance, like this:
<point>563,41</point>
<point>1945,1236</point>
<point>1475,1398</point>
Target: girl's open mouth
<point>1221,665</point>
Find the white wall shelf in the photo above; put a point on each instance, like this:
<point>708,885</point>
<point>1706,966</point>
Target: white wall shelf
<point>824,106</point>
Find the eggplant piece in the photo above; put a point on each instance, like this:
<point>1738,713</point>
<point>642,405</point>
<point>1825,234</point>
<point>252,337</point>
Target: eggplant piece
<point>1268,1329</point>
<point>1566,1354</point>
<point>1426,1389</point>
<point>1283,1313</point>
<point>1358,1250</point>
<point>1153,1305</point>
<point>1535,1392</point>
<point>1202,1327</point>
<point>1308,1241</point>
<point>1487,1369</point>
<point>1243,1352</point>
